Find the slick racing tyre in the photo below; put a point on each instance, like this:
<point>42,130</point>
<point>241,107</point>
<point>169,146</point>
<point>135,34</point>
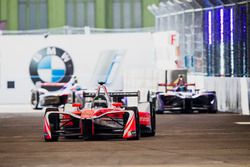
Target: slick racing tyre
<point>155,104</point>
<point>212,106</point>
<point>71,98</point>
<point>35,100</point>
<point>138,130</point>
<point>79,99</point>
<point>159,112</point>
<point>152,119</point>
<point>54,125</point>
<point>213,109</point>
<point>74,98</point>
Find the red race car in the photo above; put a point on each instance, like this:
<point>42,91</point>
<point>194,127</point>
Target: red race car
<point>107,115</point>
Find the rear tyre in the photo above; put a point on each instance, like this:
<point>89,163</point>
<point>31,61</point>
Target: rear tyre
<point>156,106</point>
<point>35,100</point>
<point>152,119</point>
<point>81,100</point>
<point>137,119</point>
<point>54,125</point>
<point>71,98</point>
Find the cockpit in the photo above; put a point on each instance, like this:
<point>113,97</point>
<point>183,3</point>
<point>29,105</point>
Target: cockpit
<point>102,99</point>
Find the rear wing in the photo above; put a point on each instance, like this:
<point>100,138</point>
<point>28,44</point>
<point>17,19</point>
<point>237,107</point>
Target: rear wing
<point>52,84</point>
<point>113,94</point>
<point>116,96</point>
<point>173,84</point>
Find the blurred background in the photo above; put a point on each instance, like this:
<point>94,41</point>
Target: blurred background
<point>212,33</point>
<point>209,38</point>
<point>43,14</point>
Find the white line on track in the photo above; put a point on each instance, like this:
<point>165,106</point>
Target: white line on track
<point>242,123</point>
<point>20,108</point>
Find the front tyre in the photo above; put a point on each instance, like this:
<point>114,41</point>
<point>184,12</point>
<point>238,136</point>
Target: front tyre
<point>54,123</point>
<point>138,130</point>
<point>213,106</point>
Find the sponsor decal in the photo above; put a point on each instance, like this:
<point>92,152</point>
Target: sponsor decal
<point>133,133</point>
<point>144,119</point>
<point>51,65</point>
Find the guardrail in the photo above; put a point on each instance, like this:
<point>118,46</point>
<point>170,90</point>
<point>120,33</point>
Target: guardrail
<point>74,30</point>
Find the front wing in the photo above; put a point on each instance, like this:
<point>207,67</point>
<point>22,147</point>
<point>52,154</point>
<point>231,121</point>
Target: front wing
<point>117,123</point>
<point>200,102</point>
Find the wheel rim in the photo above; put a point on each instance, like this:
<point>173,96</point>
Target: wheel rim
<point>34,101</point>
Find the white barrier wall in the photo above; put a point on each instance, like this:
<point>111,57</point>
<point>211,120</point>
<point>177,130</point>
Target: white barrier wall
<point>232,93</point>
<point>166,46</point>
<point>121,52</point>
<point>245,96</point>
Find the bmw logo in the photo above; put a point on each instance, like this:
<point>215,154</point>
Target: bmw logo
<point>51,64</point>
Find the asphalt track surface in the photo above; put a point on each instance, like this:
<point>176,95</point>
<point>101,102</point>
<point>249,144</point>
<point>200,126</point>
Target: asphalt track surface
<point>200,140</point>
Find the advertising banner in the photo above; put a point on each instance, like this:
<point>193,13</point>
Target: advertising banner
<point>28,59</point>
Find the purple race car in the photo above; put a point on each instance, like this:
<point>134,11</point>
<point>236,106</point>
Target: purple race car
<point>183,99</point>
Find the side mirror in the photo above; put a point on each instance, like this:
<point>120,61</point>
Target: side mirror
<point>76,105</point>
<point>117,104</point>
